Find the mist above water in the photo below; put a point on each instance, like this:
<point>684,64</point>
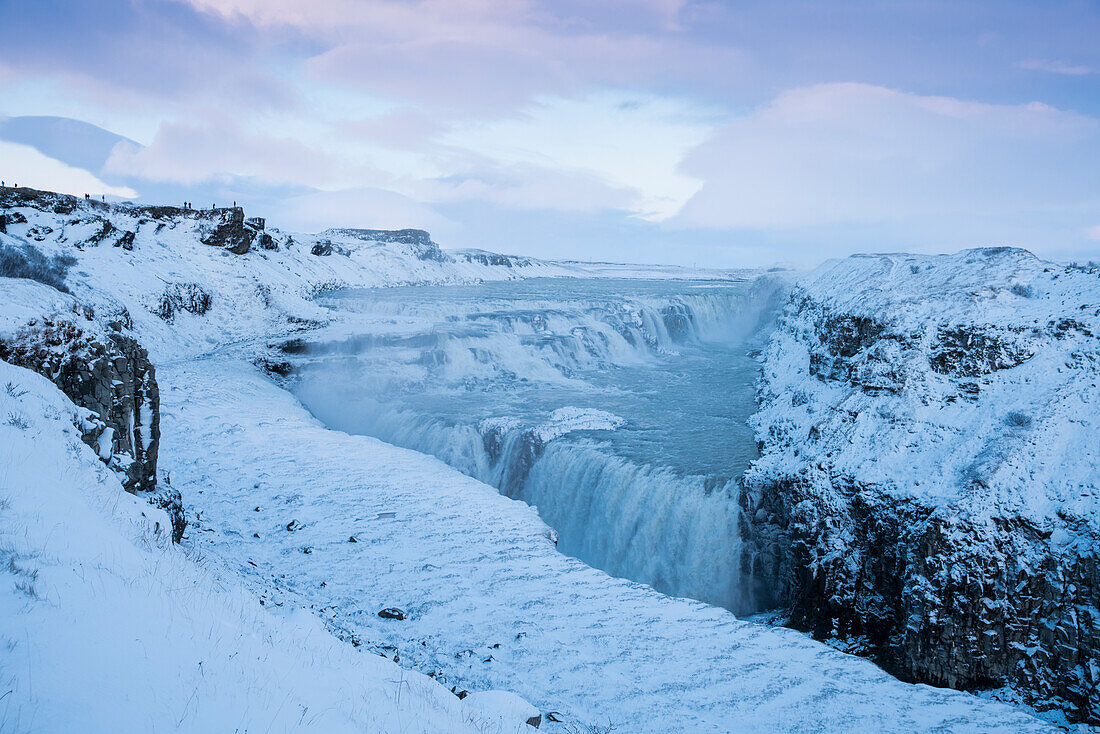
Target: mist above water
<point>617,408</point>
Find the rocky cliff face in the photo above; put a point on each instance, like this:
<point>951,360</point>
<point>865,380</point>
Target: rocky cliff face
<point>110,374</point>
<point>929,486</point>
<point>494,258</point>
<point>417,239</point>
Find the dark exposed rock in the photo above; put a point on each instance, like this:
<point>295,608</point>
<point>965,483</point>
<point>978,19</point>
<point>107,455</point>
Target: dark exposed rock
<point>954,586</point>
<point>231,233</point>
<point>169,500</point>
<point>39,233</point>
<point>279,368</point>
<point>392,613</point>
<point>110,374</point>
<point>970,351</point>
<point>106,230</point>
<point>841,338</point>
<point>492,258</point>
<point>933,596</point>
<point>535,721</point>
<point>189,297</point>
<point>321,249</point>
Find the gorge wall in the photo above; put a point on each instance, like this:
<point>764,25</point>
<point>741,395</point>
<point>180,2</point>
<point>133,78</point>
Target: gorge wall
<point>928,488</point>
<point>110,374</point>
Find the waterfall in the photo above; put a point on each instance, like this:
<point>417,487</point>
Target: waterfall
<point>492,389</point>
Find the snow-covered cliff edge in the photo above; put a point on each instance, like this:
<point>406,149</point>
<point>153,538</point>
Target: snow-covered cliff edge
<point>192,280</point>
<point>929,488</point>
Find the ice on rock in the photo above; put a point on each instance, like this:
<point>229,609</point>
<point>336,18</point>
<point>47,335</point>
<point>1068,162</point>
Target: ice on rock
<point>571,418</point>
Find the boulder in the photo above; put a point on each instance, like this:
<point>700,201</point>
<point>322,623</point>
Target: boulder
<point>392,613</point>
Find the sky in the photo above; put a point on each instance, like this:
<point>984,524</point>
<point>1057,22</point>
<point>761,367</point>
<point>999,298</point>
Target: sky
<point>705,133</point>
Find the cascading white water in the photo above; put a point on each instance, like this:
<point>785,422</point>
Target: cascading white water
<point>617,408</point>
<point>649,525</point>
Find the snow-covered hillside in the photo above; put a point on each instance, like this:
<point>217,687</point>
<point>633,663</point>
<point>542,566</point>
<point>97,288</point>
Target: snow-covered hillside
<point>930,484</point>
<point>186,297</point>
<point>117,618</point>
<point>106,626</point>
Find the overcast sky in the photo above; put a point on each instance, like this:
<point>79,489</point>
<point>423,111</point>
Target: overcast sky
<point>717,133</point>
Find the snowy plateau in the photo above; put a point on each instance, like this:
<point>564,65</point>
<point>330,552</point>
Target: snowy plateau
<point>897,534</point>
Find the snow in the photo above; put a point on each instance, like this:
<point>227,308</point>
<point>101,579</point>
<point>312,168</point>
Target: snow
<point>473,570</point>
<point>25,300</point>
<point>107,627</point>
<point>920,437</point>
<point>124,631</point>
<point>501,706</point>
<point>571,418</point>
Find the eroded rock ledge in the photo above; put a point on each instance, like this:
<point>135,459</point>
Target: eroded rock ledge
<point>110,374</point>
<point>928,490</point>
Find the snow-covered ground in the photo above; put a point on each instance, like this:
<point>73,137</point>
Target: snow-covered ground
<point>121,629</point>
<point>105,626</point>
<point>489,601</point>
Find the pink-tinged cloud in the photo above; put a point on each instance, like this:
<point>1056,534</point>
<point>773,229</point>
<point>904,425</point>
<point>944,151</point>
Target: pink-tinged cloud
<point>844,153</point>
<point>480,55</point>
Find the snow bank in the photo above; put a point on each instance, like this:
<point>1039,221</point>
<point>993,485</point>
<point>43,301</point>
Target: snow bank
<point>107,627</point>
